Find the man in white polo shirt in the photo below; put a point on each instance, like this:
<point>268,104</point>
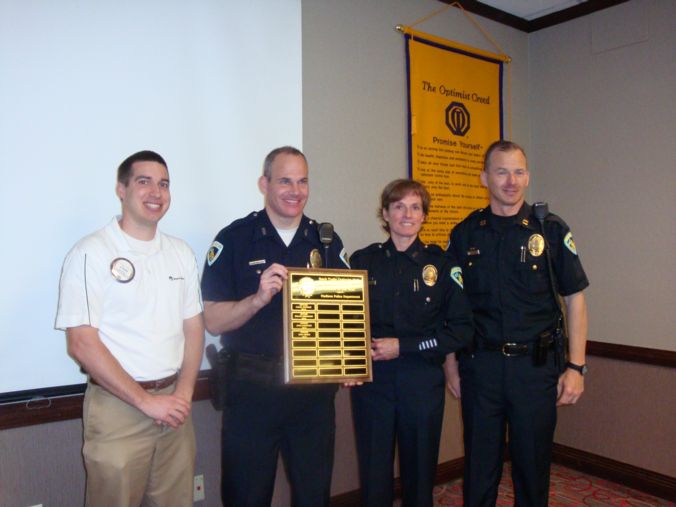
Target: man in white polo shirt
<point>129,302</point>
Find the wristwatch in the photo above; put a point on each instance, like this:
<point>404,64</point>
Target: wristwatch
<point>582,370</point>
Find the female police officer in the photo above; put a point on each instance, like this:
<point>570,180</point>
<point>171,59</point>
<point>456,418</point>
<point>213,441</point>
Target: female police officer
<point>418,315</point>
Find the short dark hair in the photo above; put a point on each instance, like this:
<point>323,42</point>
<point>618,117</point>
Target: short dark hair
<point>124,171</point>
<point>398,189</point>
<point>270,158</point>
<point>501,145</point>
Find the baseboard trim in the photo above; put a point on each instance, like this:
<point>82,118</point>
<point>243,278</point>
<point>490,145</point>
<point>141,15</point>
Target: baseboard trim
<point>450,470</point>
<point>349,499</point>
<point>446,472</point>
<point>631,476</point>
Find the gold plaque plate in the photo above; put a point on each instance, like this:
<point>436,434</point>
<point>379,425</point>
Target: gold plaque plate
<point>327,333</point>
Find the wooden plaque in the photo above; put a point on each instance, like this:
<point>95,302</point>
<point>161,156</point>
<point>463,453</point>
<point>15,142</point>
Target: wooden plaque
<point>327,333</point>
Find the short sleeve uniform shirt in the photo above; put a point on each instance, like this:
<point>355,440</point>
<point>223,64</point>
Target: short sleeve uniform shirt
<point>237,258</point>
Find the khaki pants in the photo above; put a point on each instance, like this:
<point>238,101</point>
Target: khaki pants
<point>129,459</point>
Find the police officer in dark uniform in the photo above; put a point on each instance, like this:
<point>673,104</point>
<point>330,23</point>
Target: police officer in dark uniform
<point>512,381</point>
<point>242,279</point>
<point>418,316</point>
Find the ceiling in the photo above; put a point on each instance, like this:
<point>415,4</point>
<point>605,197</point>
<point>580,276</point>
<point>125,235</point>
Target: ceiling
<point>531,9</point>
<point>533,15</point>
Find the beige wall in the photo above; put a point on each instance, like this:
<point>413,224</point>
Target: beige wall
<point>603,124</point>
<point>627,413</point>
<point>43,464</point>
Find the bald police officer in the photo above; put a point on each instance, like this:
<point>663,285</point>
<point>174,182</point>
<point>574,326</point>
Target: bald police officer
<point>242,281</point>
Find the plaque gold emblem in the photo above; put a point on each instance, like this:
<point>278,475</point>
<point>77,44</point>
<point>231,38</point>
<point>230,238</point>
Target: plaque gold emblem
<point>315,259</point>
<point>430,275</point>
<point>306,286</point>
<point>327,334</point>
<point>536,245</point>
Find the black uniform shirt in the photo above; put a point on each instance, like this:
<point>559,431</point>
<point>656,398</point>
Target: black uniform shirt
<point>236,259</point>
<point>416,296</point>
<point>506,275</point>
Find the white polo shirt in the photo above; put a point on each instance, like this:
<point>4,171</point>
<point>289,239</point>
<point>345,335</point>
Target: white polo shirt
<point>135,293</point>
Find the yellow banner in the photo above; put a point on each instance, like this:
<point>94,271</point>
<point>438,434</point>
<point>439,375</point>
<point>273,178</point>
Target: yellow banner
<point>455,113</point>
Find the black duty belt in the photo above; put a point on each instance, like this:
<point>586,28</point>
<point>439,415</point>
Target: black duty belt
<point>515,349</point>
<point>508,349</point>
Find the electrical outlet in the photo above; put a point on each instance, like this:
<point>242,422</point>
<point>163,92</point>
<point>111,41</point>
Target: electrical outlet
<point>198,488</point>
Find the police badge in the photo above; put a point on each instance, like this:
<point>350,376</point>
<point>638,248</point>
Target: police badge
<point>429,275</point>
<point>315,259</point>
<point>536,245</point>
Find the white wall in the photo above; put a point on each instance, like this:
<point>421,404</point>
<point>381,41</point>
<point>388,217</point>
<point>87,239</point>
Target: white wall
<point>211,85</point>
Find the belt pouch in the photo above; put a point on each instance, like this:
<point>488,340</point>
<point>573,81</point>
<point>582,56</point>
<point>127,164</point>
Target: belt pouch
<point>221,364</point>
<point>541,346</point>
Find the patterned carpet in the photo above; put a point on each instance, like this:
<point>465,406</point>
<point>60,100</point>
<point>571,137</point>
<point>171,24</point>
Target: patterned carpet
<point>568,488</point>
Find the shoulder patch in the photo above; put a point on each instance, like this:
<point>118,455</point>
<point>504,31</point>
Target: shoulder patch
<point>343,257</point>
<point>214,251</point>
<point>569,243</point>
<point>456,276</point>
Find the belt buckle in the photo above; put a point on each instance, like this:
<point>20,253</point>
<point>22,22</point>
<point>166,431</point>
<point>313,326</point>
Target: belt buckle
<point>505,352</point>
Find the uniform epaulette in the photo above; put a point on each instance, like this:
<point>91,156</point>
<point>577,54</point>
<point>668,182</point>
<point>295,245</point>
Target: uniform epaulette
<point>477,213</point>
<point>435,249</point>
<point>551,217</point>
<point>242,221</point>
<point>373,247</point>
<point>313,225</point>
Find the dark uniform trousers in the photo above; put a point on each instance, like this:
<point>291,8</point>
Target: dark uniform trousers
<point>408,399</point>
<point>496,388</point>
<point>259,422</point>
<point>415,296</point>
